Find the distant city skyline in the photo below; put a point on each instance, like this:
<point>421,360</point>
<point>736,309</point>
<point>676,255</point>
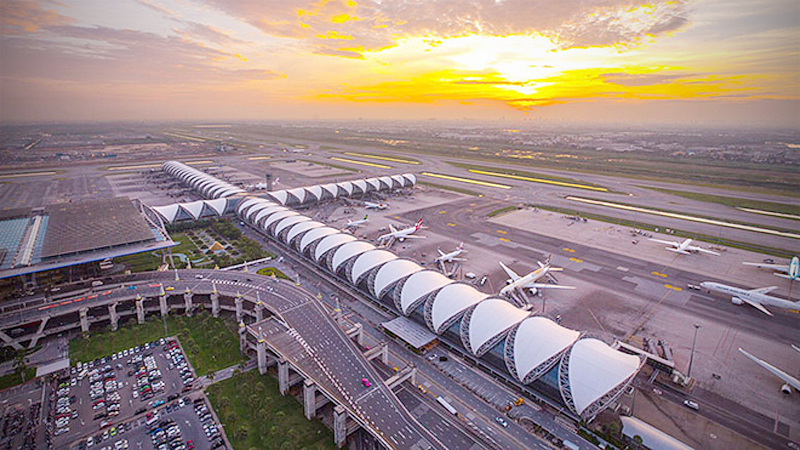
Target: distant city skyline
<point>715,62</point>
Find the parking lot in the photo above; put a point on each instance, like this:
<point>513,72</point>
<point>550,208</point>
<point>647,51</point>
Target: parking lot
<point>114,401</point>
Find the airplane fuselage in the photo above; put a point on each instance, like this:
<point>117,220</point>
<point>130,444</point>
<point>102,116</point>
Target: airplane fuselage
<point>757,297</point>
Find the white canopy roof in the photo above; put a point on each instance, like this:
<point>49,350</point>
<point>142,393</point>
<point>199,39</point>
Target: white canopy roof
<point>361,184</point>
<point>387,181</point>
<point>347,186</point>
<point>301,227</point>
<point>299,193</point>
<point>279,196</point>
<point>400,180</point>
<point>595,369</point>
<point>218,205</point>
<point>315,234</point>
<point>451,301</point>
<point>193,208</point>
<point>374,182</point>
<point>349,248</point>
<point>231,191</point>
<point>246,203</point>
<point>411,178</point>
<point>266,212</point>
<point>289,221</point>
<point>278,216</point>
<point>419,285</point>
<point>168,212</point>
<point>369,260</point>
<point>490,318</point>
<point>391,272</point>
<point>263,204</point>
<point>316,191</point>
<point>332,188</point>
<point>536,341</point>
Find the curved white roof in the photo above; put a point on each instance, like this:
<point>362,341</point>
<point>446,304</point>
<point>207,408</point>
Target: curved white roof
<point>168,212</point>
<point>279,196</point>
<point>369,260</point>
<point>316,191</point>
<point>263,204</point>
<point>216,190</point>
<point>361,184</point>
<point>490,318</point>
<point>419,285</point>
<point>231,191</point>
<point>246,203</point>
<point>349,248</point>
<point>387,181</point>
<point>193,208</point>
<point>289,221</point>
<point>536,341</point>
<point>410,177</point>
<point>315,234</point>
<point>300,193</point>
<point>374,182</point>
<point>399,179</point>
<point>347,186</point>
<point>595,369</point>
<point>331,242</point>
<point>332,188</point>
<point>391,272</point>
<point>278,216</point>
<point>218,205</point>
<point>301,227</point>
<point>451,301</point>
<point>267,211</point>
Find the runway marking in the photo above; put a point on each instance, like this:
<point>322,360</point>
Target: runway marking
<point>26,174</point>
<point>569,250</point>
<point>258,158</point>
<point>466,180</point>
<point>442,212</point>
<point>538,180</point>
<point>659,274</point>
<point>450,224</point>
<point>383,158</point>
<point>504,240</point>
<point>738,226</point>
<point>674,288</point>
<point>577,260</point>
<point>502,232</point>
<point>769,213</point>
<point>622,269</point>
<point>361,163</point>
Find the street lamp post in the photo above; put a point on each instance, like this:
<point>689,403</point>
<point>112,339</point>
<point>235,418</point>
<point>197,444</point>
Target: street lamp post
<point>691,357</point>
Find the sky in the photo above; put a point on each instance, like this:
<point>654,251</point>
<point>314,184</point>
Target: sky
<point>718,62</point>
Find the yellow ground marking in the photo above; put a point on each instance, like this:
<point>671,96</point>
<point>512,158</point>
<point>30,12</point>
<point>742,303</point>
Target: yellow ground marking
<point>383,158</point>
<point>576,260</point>
<point>361,163</point>
<point>442,212</point>
<point>466,180</point>
<point>769,213</point>
<point>659,274</point>
<point>569,250</point>
<point>258,158</point>
<point>450,224</point>
<point>183,136</point>
<point>502,232</point>
<point>538,180</point>
<point>504,240</point>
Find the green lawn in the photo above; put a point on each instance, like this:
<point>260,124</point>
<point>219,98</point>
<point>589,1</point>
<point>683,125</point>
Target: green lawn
<point>255,415</point>
<point>269,271</point>
<point>210,344</point>
<point>733,201</point>
<point>500,211</point>
<point>140,262</point>
<point>14,379</point>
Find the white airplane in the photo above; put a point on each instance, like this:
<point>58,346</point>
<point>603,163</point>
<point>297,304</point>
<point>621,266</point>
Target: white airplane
<point>529,281</point>
<point>790,381</point>
<point>684,248</point>
<point>757,298</point>
<point>792,269</point>
<point>376,206</point>
<point>452,256</point>
<point>261,185</point>
<point>356,223</point>
<point>401,235</point>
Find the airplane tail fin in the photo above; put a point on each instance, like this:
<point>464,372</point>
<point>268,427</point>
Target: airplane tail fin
<point>460,246</point>
<point>419,224</point>
<point>366,216</point>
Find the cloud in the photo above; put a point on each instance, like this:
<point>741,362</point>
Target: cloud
<point>207,33</point>
<point>26,16</point>
<point>626,79</point>
<point>378,25</point>
<point>158,8</point>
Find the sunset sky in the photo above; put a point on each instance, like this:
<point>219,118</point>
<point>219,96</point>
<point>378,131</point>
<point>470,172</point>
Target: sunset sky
<point>620,61</point>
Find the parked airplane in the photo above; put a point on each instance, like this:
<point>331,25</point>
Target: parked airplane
<point>356,223</point>
<point>262,185</point>
<point>756,298</point>
<point>529,281</point>
<point>792,269</point>
<point>790,381</point>
<point>452,256</point>
<point>684,248</point>
<point>401,235</point>
<point>376,206</point>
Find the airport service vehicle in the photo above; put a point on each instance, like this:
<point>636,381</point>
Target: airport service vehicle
<point>691,404</point>
<point>356,223</point>
<point>501,421</point>
<point>401,235</point>
<point>792,269</point>
<point>452,256</point>
<point>757,298</point>
<point>684,248</point>
<point>366,382</point>
<point>376,206</point>
<point>789,381</point>
<point>529,281</point>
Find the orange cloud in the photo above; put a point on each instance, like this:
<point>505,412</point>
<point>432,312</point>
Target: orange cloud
<point>25,16</point>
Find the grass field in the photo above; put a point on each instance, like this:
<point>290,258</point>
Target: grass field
<point>14,379</point>
<point>500,211</point>
<point>450,188</point>
<point>256,416</point>
<point>269,271</point>
<point>522,173</point>
<point>210,344</point>
<point>140,262</point>
<point>732,201</point>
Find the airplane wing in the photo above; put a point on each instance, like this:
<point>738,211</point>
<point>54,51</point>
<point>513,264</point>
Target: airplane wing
<point>441,253</point>
<point>699,249</point>
<point>670,243</point>
<point>511,274</point>
<point>391,228</point>
<point>547,286</point>
<point>756,305</point>
<point>764,290</point>
<point>781,267</point>
<point>414,236</point>
<point>788,379</point>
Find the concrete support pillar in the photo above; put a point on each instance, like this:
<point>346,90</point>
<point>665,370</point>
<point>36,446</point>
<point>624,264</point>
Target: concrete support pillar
<point>259,309</point>
<point>113,317</point>
<point>215,303</point>
<point>8,341</point>
<point>358,332</point>
<point>187,301</point>
<point>239,301</point>
<point>242,338</point>
<point>162,302</point>
<point>39,332</point>
<point>261,350</point>
<point>385,354</point>
<point>283,376</point>
<point>84,313</point>
<point>339,426</point>
<point>309,399</point>
<point>139,309</point>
